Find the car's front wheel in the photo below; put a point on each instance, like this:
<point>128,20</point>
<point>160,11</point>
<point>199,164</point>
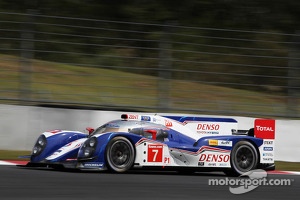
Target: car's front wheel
<point>120,154</point>
<point>244,157</point>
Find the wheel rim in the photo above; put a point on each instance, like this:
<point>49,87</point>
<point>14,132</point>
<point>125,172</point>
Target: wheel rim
<point>244,158</point>
<point>120,153</point>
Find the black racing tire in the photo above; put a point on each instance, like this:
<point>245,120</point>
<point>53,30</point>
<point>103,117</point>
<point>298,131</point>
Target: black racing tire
<point>243,158</point>
<point>120,154</point>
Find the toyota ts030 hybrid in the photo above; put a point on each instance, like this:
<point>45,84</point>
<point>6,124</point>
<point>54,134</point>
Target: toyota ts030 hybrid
<point>164,142</point>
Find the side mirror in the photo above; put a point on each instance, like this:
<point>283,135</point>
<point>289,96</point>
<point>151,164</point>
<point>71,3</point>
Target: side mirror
<point>152,132</point>
<point>161,135</point>
<point>90,129</point>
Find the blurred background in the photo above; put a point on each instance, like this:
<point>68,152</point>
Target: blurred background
<point>225,57</point>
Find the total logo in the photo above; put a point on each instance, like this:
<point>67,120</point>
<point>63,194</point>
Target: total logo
<point>264,128</point>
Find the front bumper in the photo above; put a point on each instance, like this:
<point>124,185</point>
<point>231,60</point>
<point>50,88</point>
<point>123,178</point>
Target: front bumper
<point>62,165</point>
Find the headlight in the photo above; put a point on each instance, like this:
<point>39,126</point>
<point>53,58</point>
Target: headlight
<point>88,148</point>
<point>39,145</point>
<point>87,152</point>
<point>41,141</point>
<point>92,142</point>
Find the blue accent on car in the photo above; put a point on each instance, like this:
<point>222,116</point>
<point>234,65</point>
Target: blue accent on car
<point>57,141</point>
<point>206,119</point>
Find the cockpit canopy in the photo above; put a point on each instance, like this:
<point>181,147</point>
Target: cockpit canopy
<point>146,129</point>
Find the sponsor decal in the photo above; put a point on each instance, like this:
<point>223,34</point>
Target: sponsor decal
<point>145,118</point>
<point>212,164</point>
<point>268,142</point>
<point>201,164</point>
<point>268,148</point>
<point>133,116</point>
<point>112,125</point>
<point>225,143</point>
<point>267,159</point>
<point>168,123</point>
<point>220,143</point>
<point>155,153</point>
<point>264,128</point>
<point>93,164</point>
<point>213,142</point>
<point>207,132</point>
<point>208,127</point>
<point>268,154</point>
<point>223,164</point>
<point>214,158</point>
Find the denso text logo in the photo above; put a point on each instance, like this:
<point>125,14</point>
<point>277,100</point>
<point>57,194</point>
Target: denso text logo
<point>264,128</point>
<point>208,127</point>
<point>214,158</point>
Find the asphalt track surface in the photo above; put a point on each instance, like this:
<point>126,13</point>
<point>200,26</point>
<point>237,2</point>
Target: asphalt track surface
<point>26,183</point>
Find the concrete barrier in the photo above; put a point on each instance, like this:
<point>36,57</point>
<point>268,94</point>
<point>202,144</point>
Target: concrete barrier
<point>21,125</point>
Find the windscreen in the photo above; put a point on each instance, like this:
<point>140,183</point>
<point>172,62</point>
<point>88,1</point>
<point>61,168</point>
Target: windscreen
<point>123,126</point>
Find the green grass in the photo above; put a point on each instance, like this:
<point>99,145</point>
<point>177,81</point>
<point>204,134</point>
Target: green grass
<point>287,166</point>
<point>57,82</point>
<point>14,155</point>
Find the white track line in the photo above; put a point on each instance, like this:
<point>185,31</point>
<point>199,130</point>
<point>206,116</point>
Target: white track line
<point>6,163</point>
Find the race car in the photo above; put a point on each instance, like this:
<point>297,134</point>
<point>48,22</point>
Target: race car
<point>150,141</point>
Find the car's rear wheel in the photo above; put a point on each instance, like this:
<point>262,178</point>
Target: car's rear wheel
<point>244,157</point>
<point>120,154</point>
